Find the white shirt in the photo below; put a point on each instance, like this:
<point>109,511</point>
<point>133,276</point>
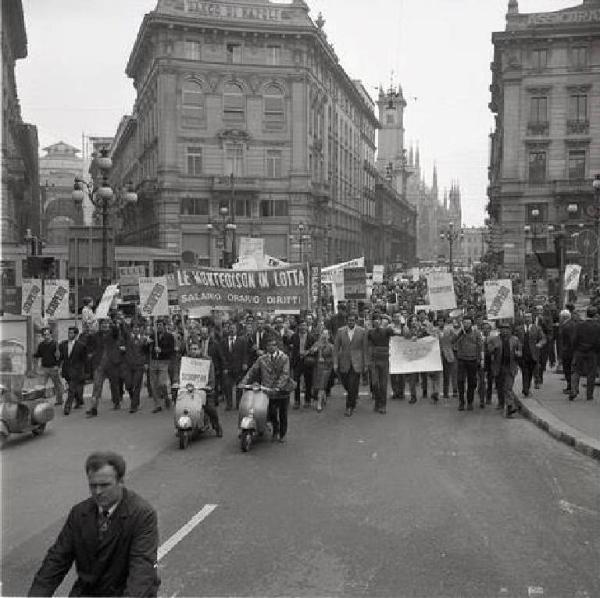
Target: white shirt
<point>70,347</point>
<point>351,333</point>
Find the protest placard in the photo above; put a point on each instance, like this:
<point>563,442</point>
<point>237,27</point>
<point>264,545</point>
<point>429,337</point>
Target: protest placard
<point>440,287</point>
<point>110,292</point>
<point>194,371</point>
<point>572,274</point>
<point>378,274</point>
<point>355,284</point>
<point>315,285</point>
<point>251,247</point>
<point>154,298</point>
<point>499,299</point>
<point>56,299</point>
<point>335,273</point>
<point>31,302</point>
<point>408,356</point>
<point>128,280</point>
<point>278,288</point>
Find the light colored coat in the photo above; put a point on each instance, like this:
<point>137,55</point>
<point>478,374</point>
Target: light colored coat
<point>350,353</point>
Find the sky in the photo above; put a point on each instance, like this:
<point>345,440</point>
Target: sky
<point>73,79</point>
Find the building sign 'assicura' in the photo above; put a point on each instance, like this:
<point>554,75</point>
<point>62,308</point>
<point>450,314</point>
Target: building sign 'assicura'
<point>232,11</point>
<point>564,18</point>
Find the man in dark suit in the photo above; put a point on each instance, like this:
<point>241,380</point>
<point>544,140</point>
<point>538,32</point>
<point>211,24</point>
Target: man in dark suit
<point>300,342</point>
<point>350,359</point>
<point>586,344</point>
<point>112,537</point>
<point>504,354</point>
<point>532,339</point>
<point>566,331</point>
<point>235,352</point>
<point>136,359</point>
<point>73,357</point>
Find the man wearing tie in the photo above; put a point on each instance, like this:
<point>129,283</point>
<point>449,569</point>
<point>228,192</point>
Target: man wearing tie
<point>300,342</point>
<point>136,358</point>
<point>236,353</point>
<point>532,339</point>
<point>73,357</point>
<point>350,359</point>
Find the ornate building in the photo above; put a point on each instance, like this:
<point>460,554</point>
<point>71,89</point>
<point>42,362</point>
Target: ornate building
<point>58,168</point>
<point>20,178</point>
<point>474,245</point>
<point>546,143</point>
<point>244,116</point>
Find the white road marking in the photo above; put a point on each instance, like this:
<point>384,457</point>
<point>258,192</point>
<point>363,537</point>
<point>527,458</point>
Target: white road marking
<point>182,532</point>
<point>535,591</point>
<point>569,507</point>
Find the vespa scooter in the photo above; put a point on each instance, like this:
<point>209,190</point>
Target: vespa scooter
<point>252,419</point>
<point>190,418</point>
<point>23,411</point>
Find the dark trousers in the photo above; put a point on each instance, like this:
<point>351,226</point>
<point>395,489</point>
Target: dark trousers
<point>278,414</point>
<point>504,385</point>
<point>543,362</point>
<point>399,382</point>
<point>380,371</point>
<point>585,367</point>
<point>567,360</point>
<point>306,372</point>
<point>212,413</point>
<point>467,370</point>
<point>230,381</point>
<point>424,378</point>
<point>351,383</point>
<point>74,392</point>
<point>529,370</point>
<point>485,383</point>
<point>134,385</point>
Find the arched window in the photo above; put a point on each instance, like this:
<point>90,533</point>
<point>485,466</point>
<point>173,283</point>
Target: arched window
<point>274,103</point>
<point>233,102</point>
<point>193,99</point>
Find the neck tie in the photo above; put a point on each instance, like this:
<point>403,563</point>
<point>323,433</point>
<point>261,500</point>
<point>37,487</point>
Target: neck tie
<point>103,522</point>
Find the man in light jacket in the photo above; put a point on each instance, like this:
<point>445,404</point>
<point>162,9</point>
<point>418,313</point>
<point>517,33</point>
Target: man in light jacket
<point>350,359</point>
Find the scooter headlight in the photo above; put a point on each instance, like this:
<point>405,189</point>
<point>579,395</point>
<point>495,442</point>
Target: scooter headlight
<point>184,422</point>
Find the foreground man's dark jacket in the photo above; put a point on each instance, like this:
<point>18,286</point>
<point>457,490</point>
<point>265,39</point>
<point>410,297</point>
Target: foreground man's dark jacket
<point>123,563</point>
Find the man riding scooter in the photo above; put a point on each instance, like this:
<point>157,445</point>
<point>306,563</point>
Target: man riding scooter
<point>272,370</point>
<point>209,407</point>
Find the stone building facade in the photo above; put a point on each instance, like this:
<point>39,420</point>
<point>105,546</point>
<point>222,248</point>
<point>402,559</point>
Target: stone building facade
<point>546,143</point>
<point>20,168</point>
<point>244,105</point>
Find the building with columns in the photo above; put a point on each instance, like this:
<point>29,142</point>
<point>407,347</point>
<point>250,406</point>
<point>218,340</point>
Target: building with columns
<point>545,149</point>
<point>244,116</point>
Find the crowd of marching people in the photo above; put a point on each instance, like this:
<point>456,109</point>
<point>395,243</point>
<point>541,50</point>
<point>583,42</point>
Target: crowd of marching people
<point>350,346</point>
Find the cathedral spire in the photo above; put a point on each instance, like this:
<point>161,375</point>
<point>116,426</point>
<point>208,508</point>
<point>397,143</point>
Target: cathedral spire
<point>411,156</point>
<point>434,186</point>
<point>513,7</point>
<point>418,157</point>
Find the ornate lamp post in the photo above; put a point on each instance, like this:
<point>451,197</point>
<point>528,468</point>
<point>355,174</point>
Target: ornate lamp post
<point>452,235</point>
<point>224,228</point>
<point>300,238</point>
<point>103,198</point>
<point>596,188</point>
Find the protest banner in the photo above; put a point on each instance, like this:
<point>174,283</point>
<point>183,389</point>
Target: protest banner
<point>425,308</point>
<point>499,299</point>
<point>270,289</point>
<point>128,280</point>
<point>56,299</point>
<point>154,298</point>
<point>572,274</point>
<point>335,273</point>
<point>110,292</point>
<point>355,284</point>
<point>194,371</point>
<point>440,287</point>
<point>409,357</point>
<point>378,274</point>
<point>315,285</point>
<point>31,302</point>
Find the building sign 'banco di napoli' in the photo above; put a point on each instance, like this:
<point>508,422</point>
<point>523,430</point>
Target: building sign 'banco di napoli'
<point>232,11</point>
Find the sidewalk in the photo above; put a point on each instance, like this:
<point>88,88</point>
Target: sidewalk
<point>576,423</point>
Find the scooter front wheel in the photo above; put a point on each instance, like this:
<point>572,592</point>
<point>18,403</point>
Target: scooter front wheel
<point>184,439</point>
<point>246,441</point>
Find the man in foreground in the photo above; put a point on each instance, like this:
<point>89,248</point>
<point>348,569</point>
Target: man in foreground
<point>112,537</point>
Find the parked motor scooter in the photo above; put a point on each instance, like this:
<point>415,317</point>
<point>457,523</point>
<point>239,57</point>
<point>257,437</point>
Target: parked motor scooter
<point>190,417</point>
<point>252,419</point>
<point>23,411</point>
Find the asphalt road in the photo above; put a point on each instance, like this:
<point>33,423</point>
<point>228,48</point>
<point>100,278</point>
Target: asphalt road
<point>424,501</point>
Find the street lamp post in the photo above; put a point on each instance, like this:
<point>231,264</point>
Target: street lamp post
<point>452,235</point>
<point>596,188</point>
<point>300,238</point>
<point>224,228</point>
<point>103,198</point>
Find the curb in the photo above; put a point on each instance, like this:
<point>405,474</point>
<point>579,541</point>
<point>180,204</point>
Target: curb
<point>544,419</point>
